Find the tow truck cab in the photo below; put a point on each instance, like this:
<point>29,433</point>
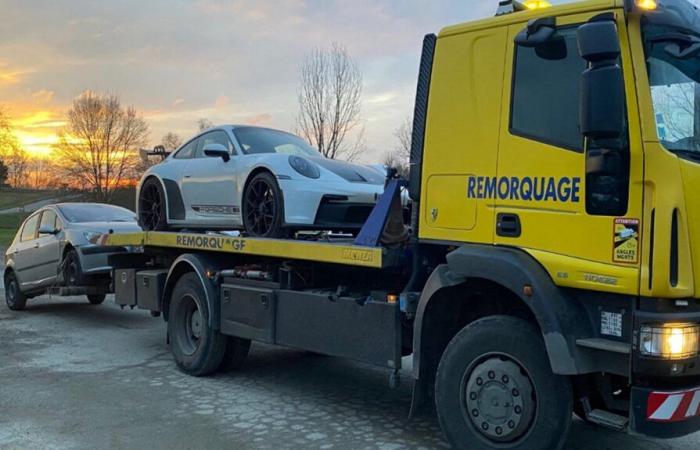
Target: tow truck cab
<point>572,134</point>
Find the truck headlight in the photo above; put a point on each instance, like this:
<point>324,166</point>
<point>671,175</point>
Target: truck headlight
<point>670,340</point>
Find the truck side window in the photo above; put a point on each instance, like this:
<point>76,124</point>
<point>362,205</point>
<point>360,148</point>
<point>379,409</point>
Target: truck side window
<point>546,90</point>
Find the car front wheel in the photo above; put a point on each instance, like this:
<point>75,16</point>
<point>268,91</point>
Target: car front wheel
<point>263,208</point>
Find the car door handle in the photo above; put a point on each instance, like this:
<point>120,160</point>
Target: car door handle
<point>187,176</point>
<point>36,245</point>
<point>508,225</point>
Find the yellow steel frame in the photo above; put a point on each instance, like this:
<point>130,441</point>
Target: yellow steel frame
<point>326,252</point>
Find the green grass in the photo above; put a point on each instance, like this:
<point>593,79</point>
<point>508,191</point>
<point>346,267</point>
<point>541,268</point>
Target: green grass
<point>13,199</point>
<point>9,223</point>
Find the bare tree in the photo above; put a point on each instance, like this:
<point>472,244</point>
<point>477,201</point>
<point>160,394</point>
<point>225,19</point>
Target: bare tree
<point>404,135</point>
<point>3,173</point>
<point>204,124</point>
<point>330,97</point>
<point>171,141</point>
<point>15,157</point>
<point>400,157</point>
<point>99,146</point>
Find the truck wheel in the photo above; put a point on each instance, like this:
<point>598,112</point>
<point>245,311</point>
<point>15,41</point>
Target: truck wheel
<point>236,352</point>
<point>495,389</point>
<point>14,298</point>
<point>96,299</point>
<point>197,348</point>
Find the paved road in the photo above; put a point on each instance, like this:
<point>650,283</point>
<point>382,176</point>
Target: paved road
<point>83,377</point>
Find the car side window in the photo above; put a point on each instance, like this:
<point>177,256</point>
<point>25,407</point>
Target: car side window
<point>214,137</point>
<point>188,150</point>
<point>546,91</point>
<point>29,228</point>
<point>48,219</point>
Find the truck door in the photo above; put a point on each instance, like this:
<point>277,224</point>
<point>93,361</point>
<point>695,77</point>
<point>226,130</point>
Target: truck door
<point>574,205</point>
<point>461,140</point>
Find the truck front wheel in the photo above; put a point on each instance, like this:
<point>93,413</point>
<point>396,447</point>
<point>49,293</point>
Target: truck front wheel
<point>495,388</point>
<point>197,348</point>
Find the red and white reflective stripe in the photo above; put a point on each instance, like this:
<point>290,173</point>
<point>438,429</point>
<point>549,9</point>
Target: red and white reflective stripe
<point>673,406</point>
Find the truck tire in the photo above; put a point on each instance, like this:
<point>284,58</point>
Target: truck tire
<point>236,352</point>
<point>197,348</point>
<point>14,298</point>
<point>495,389</point>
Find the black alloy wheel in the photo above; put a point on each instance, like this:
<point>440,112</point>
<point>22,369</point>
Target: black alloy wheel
<point>152,206</point>
<point>263,208</point>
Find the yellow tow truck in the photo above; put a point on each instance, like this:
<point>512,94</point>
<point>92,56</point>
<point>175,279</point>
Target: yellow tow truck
<point>554,257</point>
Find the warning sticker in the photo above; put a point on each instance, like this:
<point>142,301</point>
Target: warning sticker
<point>626,241</point>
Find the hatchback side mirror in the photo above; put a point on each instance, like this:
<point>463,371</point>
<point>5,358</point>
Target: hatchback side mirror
<point>217,151</point>
<point>47,229</point>
<point>602,104</point>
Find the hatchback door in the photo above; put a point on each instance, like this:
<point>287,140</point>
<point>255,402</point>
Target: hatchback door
<point>47,254</point>
<point>23,254</point>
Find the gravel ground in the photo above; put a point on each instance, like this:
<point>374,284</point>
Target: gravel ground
<point>83,377</point>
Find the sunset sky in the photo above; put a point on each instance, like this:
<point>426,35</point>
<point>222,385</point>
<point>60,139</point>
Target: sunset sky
<point>228,61</point>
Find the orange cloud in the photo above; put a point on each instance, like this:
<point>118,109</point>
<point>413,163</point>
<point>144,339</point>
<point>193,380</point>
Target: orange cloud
<point>221,101</point>
<point>11,76</point>
<point>260,119</point>
<point>43,96</point>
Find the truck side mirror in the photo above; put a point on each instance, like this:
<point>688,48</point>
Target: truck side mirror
<point>602,107</point>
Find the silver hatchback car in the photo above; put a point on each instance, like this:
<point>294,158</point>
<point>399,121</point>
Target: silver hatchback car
<point>53,248</point>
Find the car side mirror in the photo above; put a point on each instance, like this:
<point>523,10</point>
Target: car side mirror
<point>46,229</point>
<point>602,105</point>
<point>217,151</point>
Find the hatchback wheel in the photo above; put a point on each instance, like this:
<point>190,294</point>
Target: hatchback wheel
<point>14,298</point>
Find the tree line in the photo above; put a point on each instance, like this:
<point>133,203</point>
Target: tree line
<point>99,147</point>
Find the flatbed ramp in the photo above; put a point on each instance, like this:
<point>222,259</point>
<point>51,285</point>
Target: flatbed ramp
<point>344,252</point>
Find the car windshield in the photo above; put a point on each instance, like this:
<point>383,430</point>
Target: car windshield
<point>263,140</point>
<point>91,212</point>
<point>673,63</point>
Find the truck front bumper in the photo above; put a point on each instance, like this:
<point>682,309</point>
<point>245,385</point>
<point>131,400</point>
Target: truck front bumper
<point>665,414</point>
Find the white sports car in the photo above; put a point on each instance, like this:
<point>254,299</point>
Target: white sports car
<point>266,182</point>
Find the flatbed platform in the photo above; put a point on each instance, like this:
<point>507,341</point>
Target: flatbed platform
<point>343,252</point>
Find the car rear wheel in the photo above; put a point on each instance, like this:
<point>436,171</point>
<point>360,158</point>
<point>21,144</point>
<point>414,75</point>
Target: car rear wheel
<point>14,298</point>
<point>263,208</point>
<point>151,206</point>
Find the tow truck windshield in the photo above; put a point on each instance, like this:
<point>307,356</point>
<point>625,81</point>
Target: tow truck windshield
<point>672,46</point>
